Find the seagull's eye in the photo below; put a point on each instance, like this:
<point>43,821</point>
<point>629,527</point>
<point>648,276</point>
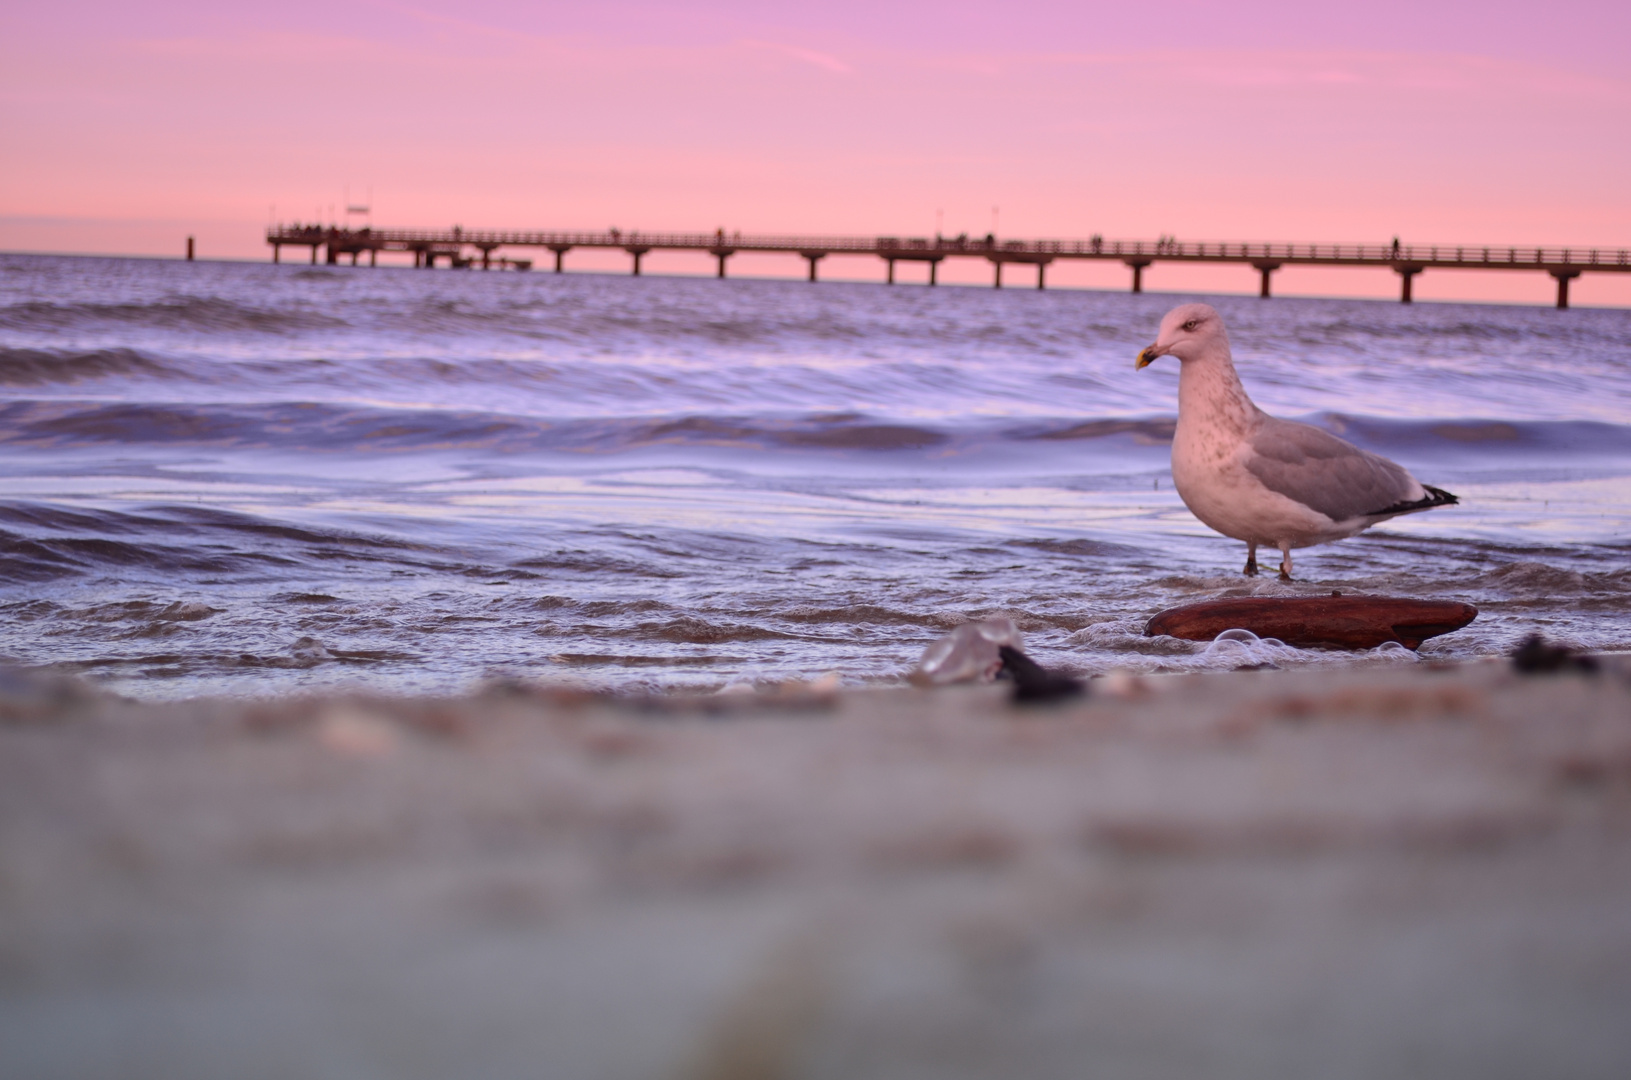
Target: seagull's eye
<point>1191,324</point>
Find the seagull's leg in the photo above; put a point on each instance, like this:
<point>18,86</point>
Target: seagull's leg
<point>1285,561</point>
<point>1251,559</point>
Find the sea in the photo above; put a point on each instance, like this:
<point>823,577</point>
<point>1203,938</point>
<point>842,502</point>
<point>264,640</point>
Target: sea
<point>245,479</point>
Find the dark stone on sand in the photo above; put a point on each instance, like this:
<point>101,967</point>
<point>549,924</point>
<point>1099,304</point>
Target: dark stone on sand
<point>1326,622</point>
<point>1537,656</point>
<point>1033,683</point>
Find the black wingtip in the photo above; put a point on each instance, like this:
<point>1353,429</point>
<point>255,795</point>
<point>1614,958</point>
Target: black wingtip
<point>1435,497</point>
<point>1035,684</point>
<point>1439,496</point>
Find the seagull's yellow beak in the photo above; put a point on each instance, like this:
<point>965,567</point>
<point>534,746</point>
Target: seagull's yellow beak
<point>1148,356</point>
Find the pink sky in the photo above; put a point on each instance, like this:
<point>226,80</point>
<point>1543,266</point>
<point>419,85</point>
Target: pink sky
<point>128,126</point>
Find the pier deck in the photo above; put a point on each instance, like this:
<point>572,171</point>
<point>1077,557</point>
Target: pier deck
<point>466,248</point>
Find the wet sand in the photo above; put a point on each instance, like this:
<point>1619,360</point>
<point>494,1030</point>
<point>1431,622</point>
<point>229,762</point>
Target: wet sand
<point>1351,873</point>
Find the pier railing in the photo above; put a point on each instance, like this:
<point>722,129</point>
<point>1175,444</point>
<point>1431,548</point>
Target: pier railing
<point>428,246</point>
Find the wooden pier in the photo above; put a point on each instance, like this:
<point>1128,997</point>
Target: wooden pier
<point>460,248</point>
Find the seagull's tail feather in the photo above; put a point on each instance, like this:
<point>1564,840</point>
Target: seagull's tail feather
<point>1434,498</point>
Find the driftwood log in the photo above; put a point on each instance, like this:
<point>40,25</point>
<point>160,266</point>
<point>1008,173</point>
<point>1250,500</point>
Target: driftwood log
<point>1328,622</point>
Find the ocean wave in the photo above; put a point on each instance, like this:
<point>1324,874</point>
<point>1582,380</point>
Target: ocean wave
<point>43,367</point>
<point>1529,579</point>
<point>1078,547</point>
<point>598,315</point>
<point>1150,431</point>
<point>323,427</point>
<point>318,427</point>
<point>41,542</point>
<point>596,564</point>
<point>843,432</point>
<point>34,560</point>
<point>1483,437</point>
<point>694,630</point>
<point>1463,325</point>
<point>867,614</point>
<point>178,313</point>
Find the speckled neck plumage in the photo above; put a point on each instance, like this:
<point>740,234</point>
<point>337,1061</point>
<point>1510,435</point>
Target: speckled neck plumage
<point>1211,396</point>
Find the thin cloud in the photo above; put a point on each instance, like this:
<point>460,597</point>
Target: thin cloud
<point>808,56</point>
<point>433,18</point>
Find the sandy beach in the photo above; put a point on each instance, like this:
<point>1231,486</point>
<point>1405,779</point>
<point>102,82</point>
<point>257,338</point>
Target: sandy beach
<point>1419,870</point>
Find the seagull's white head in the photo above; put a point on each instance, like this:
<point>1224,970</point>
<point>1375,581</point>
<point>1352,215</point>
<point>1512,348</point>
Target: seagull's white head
<point>1187,332</point>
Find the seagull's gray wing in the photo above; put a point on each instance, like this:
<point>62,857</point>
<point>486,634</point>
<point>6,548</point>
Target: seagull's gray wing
<point>1319,470</point>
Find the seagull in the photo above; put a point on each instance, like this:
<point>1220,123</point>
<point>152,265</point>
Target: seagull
<point>1257,478</point>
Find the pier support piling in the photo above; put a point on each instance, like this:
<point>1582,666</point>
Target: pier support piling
<point>1138,266</point>
<point>637,253</point>
<point>314,254</point>
<point>1041,273</point>
<point>560,251</point>
<point>276,249</point>
<point>373,256</point>
<point>1563,277</point>
<point>890,280</point>
<point>189,249</point>
<point>1265,268</point>
<point>996,278</point>
<point>934,271</point>
<point>722,255</point>
<point>813,257</point>
<point>1407,274</point>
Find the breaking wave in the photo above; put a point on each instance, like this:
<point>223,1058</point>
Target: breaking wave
<point>330,428</point>
<point>196,314</point>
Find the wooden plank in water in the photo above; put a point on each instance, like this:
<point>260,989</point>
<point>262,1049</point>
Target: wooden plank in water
<point>1329,622</point>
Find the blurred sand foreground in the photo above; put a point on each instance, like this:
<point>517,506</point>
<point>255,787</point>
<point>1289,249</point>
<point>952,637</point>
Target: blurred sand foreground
<point>1374,872</point>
